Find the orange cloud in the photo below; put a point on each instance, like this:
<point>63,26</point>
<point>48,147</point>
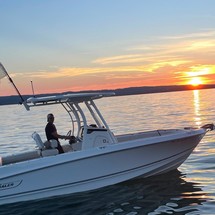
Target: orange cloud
<point>166,61</point>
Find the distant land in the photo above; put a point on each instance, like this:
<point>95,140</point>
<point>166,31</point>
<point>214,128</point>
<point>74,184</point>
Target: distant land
<point>15,99</point>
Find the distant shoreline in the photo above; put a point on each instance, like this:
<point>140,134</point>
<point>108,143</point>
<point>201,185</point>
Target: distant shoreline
<point>14,99</point>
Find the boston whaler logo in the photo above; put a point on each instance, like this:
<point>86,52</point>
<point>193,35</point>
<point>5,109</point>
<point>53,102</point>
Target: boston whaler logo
<point>8,185</point>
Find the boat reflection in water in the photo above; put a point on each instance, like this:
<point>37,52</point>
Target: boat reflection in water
<point>168,193</point>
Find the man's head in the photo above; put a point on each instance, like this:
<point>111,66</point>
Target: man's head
<point>50,117</point>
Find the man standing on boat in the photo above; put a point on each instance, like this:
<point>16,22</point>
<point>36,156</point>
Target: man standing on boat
<point>51,132</point>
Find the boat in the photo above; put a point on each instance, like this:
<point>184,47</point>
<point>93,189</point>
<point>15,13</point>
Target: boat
<point>96,158</point>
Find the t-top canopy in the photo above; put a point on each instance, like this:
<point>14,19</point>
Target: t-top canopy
<point>63,98</point>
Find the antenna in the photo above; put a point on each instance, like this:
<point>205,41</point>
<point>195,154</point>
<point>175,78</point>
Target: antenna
<point>10,79</point>
<point>3,72</point>
<point>32,87</point>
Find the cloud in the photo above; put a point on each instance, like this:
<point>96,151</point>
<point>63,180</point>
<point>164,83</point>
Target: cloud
<point>78,72</point>
<point>205,33</point>
<point>98,71</point>
<point>119,59</point>
<point>164,62</point>
<point>200,70</point>
<point>184,48</point>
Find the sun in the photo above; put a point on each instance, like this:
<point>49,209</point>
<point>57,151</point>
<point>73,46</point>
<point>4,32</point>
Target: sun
<point>196,81</point>
<point>198,75</point>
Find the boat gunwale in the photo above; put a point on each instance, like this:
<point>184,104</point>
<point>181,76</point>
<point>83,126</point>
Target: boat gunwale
<point>80,155</point>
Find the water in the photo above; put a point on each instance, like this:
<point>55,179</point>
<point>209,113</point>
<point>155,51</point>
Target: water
<point>188,190</point>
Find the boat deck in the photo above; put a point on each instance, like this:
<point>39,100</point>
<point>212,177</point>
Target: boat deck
<point>147,134</point>
<point>30,155</point>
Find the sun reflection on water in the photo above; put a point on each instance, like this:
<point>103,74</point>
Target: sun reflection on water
<point>196,104</point>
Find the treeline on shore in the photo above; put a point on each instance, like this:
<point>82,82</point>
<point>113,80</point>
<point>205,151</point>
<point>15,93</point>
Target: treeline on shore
<point>15,99</point>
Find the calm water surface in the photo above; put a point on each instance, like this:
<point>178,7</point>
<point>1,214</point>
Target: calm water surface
<point>188,190</point>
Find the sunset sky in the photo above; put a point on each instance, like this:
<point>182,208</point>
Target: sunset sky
<point>74,45</point>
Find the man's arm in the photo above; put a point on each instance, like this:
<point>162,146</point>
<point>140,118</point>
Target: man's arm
<point>55,134</point>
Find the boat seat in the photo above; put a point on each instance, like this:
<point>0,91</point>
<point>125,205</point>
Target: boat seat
<point>20,157</point>
<point>38,140</point>
<point>49,152</point>
<point>44,151</point>
<point>67,148</point>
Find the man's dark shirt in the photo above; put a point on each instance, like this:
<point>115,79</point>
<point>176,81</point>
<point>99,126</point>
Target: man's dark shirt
<point>50,128</point>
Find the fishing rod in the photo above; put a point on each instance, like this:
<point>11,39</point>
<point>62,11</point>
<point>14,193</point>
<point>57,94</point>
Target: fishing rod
<point>5,73</point>
<point>32,87</point>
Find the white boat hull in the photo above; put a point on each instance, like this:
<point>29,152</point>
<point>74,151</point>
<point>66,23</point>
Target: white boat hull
<point>97,167</point>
